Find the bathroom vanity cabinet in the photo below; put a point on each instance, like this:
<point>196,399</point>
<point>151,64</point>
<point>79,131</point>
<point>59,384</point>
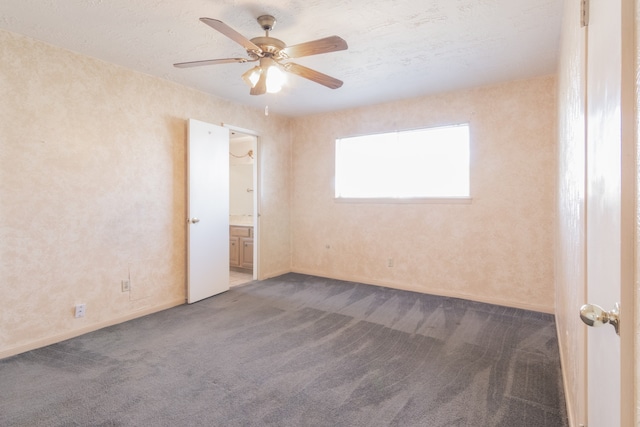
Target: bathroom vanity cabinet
<point>241,247</point>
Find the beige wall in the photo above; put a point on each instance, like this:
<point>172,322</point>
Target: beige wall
<point>570,246</point>
<point>498,249</point>
<point>637,237</point>
<point>637,281</point>
<point>92,189</point>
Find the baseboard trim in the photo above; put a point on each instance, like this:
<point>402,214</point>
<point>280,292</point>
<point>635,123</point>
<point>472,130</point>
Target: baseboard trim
<point>271,274</point>
<point>43,342</point>
<point>571,415</point>
<point>404,287</point>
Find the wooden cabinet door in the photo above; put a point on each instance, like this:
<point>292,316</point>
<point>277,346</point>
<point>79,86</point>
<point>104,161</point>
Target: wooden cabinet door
<point>234,251</point>
<point>246,249</point>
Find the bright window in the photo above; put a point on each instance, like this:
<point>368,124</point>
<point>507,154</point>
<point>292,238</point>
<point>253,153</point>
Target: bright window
<point>424,163</point>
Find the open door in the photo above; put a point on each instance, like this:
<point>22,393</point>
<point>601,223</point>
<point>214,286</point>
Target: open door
<point>610,240</point>
<point>208,210</point>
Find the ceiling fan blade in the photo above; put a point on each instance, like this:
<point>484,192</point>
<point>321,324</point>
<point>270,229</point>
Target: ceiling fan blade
<point>315,76</point>
<point>209,62</point>
<point>316,47</point>
<point>261,87</point>
<point>231,33</point>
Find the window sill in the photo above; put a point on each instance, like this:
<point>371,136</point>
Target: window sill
<point>406,200</point>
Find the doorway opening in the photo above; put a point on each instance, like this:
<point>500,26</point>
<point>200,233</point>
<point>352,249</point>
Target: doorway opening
<point>243,207</point>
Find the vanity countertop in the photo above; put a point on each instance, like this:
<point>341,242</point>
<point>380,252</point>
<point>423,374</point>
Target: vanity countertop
<point>241,220</point>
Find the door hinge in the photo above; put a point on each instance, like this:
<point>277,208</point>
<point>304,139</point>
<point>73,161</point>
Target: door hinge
<point>584,13</point>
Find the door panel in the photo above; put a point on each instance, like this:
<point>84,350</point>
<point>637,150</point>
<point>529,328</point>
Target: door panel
<point>246,246</point>
<point>605,228</point>
<point>208,210</point>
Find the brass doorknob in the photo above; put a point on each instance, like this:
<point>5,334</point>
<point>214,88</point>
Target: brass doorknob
<point>594,315</point>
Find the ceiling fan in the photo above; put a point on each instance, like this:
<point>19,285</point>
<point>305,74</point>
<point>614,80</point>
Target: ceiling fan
<point>271,54</point>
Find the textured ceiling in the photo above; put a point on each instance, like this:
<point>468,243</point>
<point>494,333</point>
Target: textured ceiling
<point>397,49</point>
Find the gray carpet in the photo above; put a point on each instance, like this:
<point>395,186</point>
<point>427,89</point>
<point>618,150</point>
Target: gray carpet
<point>298,350</point>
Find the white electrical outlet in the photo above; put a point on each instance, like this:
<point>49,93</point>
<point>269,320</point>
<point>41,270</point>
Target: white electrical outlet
<point>80,309</point>
<point>126,286</point>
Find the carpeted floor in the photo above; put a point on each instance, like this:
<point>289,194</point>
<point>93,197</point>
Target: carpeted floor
<point>298,350</point>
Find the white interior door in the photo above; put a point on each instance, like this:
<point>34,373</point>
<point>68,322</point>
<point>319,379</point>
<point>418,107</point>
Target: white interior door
<point>208,210</point>
<point>606,227</point>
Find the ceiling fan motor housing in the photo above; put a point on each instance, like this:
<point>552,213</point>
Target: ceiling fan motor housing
<point>270,46</point>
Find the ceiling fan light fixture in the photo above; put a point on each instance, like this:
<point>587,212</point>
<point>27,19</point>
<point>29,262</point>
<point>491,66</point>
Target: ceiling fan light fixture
<point>275,79</point>
<point>251,77</point>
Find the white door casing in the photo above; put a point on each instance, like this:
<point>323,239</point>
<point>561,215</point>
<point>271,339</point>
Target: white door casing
<point>208,210</point>
<point>256,195</point>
